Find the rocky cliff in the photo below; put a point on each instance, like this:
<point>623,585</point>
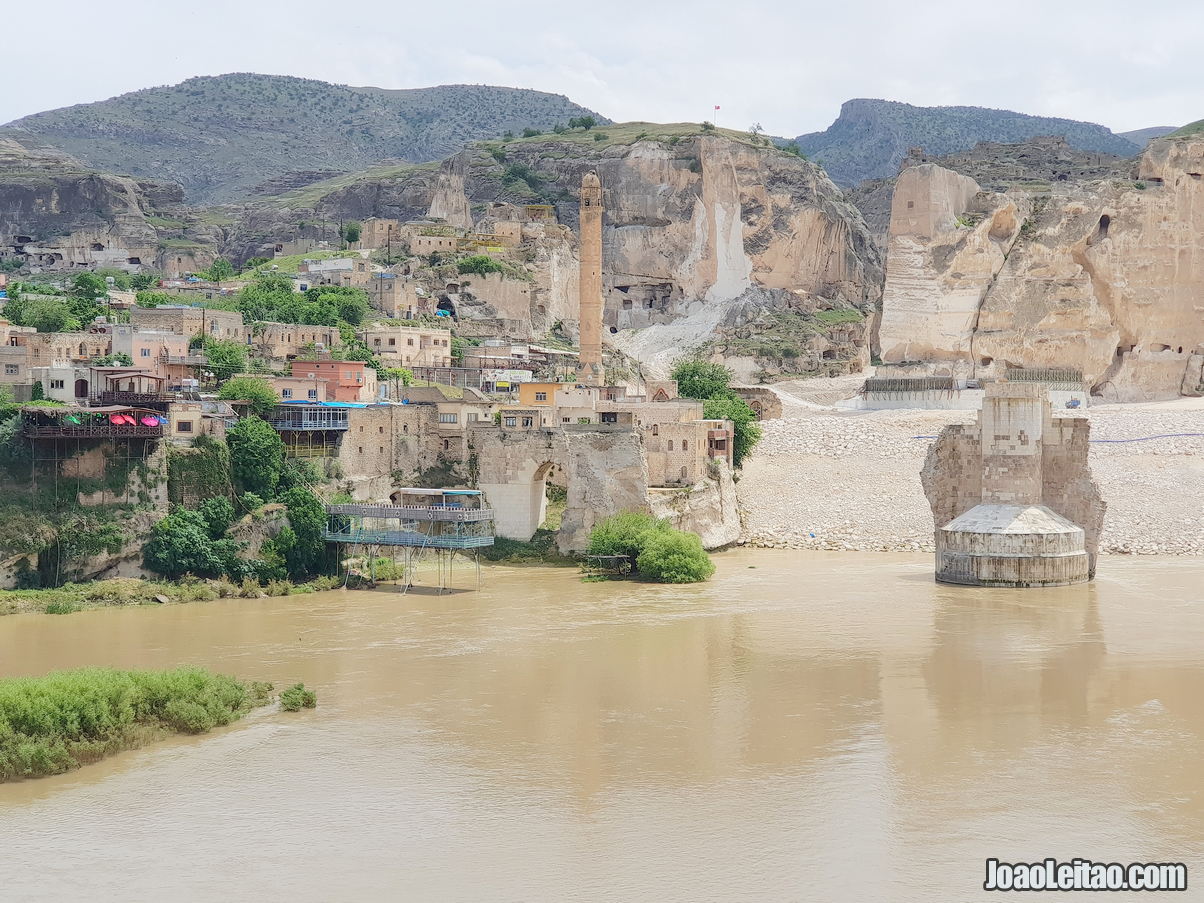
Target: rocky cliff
<point>57,214</point>
<point>709,238</point>
<point>1101,276</point>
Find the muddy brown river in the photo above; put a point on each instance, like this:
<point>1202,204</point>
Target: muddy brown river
<point>806,726</point>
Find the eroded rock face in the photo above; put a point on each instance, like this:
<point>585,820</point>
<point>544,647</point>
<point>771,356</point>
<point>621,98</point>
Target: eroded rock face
<point>709,508</point>
<point>691,225</point>
<point>947,243</point>
<point>57,214</point>
<point>1105,277</point>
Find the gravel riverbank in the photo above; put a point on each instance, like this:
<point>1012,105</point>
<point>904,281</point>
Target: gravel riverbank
<point>822,479</point>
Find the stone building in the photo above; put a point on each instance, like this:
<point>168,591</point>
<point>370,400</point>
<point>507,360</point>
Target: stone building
<point>379,232</point>
<point>1012,495</point>
<point>409,346</point>
<point>285,341</point>
<point>191,321</point>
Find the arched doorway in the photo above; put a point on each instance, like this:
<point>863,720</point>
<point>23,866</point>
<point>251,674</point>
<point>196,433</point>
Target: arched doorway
<point>81,388</point>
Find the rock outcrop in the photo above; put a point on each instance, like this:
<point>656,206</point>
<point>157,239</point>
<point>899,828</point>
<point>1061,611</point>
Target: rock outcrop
<point>1103,277</point>
<point>697,225</point>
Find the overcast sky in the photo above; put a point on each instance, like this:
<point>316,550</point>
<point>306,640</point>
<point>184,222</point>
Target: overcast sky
<point>787,65</point>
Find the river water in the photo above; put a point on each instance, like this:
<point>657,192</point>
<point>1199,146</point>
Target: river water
<point>806,726</point>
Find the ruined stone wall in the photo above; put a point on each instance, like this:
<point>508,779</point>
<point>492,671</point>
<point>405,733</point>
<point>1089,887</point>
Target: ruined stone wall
<point>708,507</point>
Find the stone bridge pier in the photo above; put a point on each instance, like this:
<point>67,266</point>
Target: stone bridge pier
<point>604,468</point>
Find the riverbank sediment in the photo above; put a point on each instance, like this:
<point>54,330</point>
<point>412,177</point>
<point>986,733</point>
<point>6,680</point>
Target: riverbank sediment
<point>850,481</point>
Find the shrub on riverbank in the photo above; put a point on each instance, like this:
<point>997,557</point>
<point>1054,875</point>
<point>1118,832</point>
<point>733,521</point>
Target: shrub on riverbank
<point>657,551</point>
<point>51,724</point>
<point>674,556</point>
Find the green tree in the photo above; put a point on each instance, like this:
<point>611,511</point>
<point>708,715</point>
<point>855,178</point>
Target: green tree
<point>351,232</point>
<point>147,279</point>
<point>624,534</point>
<point>218,514</point>
<point>153,299</point>
<point>674,556</point>
<point>583,122</point>
<point>307,519</point>
<point>701,379</point>
<point>181,544</point>
<point>256,457</point>
<point>226,357</point>
<point>116,359</point>
<point>37,393</point>
<point>258,392</point>
<point>398,376</point>
<point>253,262</point>
<point>220,270</point>
<point>89,287</point>
<point>479,264</point>
<point>47,315</point>
<point>746,433</point>
<point>531,133</point>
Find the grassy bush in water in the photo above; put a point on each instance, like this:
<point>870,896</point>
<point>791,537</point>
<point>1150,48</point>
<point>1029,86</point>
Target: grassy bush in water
<point>298,697</point>
<point>54,723</point>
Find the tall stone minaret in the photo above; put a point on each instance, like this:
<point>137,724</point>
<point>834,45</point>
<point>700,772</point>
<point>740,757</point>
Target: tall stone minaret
<point>589,370</point>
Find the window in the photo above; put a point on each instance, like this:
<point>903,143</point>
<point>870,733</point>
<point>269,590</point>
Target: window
<point>449,418</point>
<point>684,445</point>
<point>376,342</point>
<point>656,429</point>
<point>56,384</point>
<point>564,419</point>
<point>11,369</point>
<point>183,426</point>
<point>670,445</point>
<point>541,396</point>
<point>392,342</point>
<point>527,421</point>
<point>361,449</point>
<point>381,430</point>
<point>446,444</point>
<point>683,472</point>
<point>510,421</point>
<point>144,352</point>
<point>473,418</point>
<point>410,342</point>
<point>313,393</point>
<point>286,393</point>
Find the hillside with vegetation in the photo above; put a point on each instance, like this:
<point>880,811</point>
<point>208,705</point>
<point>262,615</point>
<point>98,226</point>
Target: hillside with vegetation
<point>871,137</point>
<point>221,136</point>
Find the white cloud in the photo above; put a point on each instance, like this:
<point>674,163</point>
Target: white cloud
<point>784,64</point>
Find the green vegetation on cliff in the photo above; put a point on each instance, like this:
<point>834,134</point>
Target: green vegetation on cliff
<point>709,383</point>
<point>52,724</point>
<point>220,136</point>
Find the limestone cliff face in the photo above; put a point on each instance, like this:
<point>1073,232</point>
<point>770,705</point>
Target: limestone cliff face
<point>692,224</point>
<point>709,508</point>
<point>56,213</point>
<point>942,261</point>
<point>1105,277</point>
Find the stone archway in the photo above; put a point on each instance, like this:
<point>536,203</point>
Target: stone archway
<point>519,498</point>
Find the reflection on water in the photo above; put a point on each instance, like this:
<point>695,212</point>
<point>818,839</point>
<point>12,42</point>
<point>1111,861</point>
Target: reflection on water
<point>806,726</point>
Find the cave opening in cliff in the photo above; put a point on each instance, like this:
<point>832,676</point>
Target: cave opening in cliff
<point>1105,222</point>
<point>97,246</point>
<point>134,261</point>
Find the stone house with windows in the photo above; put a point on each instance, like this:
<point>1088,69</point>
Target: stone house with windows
<point>409,346</point>
<point>285,341</point>
<point>46,348</point>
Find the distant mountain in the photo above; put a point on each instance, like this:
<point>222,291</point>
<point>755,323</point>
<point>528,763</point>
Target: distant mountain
<point>871,137</point>
<point>219,136</point>
<point>1142,137</point>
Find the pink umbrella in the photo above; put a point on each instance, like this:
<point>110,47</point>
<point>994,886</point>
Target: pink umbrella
<point>148,420</point>
<point>116,419</point>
